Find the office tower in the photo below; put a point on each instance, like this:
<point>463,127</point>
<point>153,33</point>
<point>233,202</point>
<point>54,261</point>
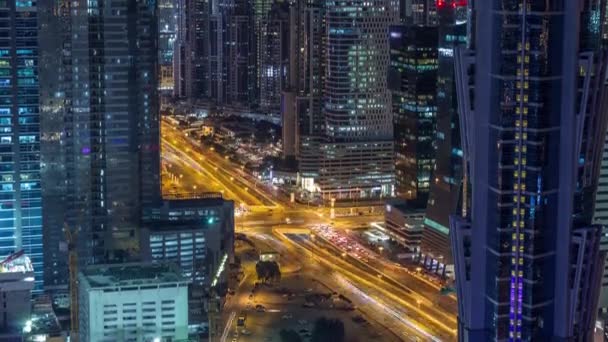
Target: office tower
<point>112,131</point>
<point>527,256</point>
<point>20,199</point>
<point>232,52</point>
<point>274,57</point>
<point>422,12</point>
<point>16,285</point>
<point>132,302</point>
<point>445,195</point>
<point>357,160</point>
<point>54,28</point>
<point>167,36</point>
<point>197,235</point>
<point>412,79</point>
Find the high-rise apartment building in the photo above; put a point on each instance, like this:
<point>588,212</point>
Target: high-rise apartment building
<point>274,57</point>
<point>191,50</point>
<point>601,217</point>
<point>307,55</point>
<point>232,53</point>
<point>446,193</point>
<point>112,130</point>
<point>20,190</point>
<point>167,36</point>
<point>357,149</point>
<point>526,254</point>
<point>412,79</point>
<point>53,29</point>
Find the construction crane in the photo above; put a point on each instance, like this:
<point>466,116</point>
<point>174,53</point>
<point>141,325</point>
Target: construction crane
<point>12,257</point>
<point>70,237</point>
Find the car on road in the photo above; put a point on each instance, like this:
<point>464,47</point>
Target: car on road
<point>234,340</point>
<point>287,316</point>
<point>302,322</point>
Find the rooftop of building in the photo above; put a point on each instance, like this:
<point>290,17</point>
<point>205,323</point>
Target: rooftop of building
<point>16,263</point>
<point>405,207</point>
<point>133,274</point>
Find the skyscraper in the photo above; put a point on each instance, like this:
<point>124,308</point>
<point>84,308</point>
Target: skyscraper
<point>601,217</point>
<point>20,195</point>
<point>412,78</point>
<point>167,22</point>
<point>191,51</point>
<point>445,194</point>
<point>356,153</point>
<point>274,57</point>
<point>112,131</point>
<point>232,53</point>
<point>306,84</point>
<point>54,28</point>
<point>527,254</point>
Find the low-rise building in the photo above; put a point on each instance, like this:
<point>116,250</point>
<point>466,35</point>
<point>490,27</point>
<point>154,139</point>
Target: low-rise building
<point>133,302</point>
<point>197,234</point>
<point>43,325</point>
<point>16,284</point>
<point>404,224</point>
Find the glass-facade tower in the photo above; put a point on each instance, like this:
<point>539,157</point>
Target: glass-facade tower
<point>20,193</point>
<point>412,78</point>
<point>446,192</point>
<point>526,254</point>
<point>357,156</point>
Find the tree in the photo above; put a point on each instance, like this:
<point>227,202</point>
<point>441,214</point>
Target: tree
<point>268,271</point>
<point>289,336</point>
<point>328,330</point>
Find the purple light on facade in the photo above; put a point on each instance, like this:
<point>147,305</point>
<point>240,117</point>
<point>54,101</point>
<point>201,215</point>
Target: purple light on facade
<point>86,150</point>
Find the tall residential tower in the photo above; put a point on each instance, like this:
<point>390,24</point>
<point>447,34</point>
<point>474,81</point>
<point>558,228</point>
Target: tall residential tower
<point>112,131</point>
<point>527,253</point>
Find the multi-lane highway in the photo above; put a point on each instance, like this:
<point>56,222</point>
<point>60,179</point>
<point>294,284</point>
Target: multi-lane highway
<point>408,304</point>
